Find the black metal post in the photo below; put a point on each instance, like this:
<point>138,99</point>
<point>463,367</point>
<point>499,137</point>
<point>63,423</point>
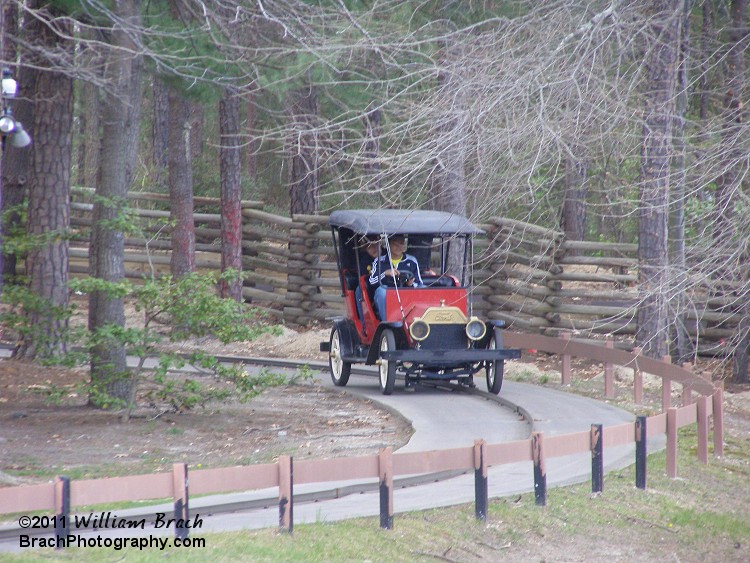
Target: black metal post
<point>62,518</point>
<point>481,491</point>
<point>181,506</point>
<point>386,518</point>
<point>641,455</point>
<point>597,459</point>
<point>540,473</point>
<point>385,470</point>
<point>286,494</point>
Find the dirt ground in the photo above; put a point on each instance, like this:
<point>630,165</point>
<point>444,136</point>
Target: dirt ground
<point>39,440</point>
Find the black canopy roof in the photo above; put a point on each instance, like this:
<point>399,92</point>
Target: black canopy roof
<point>403,221</point>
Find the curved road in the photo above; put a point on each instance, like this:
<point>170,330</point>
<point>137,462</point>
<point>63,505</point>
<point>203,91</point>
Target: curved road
<point>441,419</point>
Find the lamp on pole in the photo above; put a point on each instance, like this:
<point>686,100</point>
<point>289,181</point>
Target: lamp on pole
<point>11,129</point>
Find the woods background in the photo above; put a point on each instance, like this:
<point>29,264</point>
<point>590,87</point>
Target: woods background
<point>603,145</point>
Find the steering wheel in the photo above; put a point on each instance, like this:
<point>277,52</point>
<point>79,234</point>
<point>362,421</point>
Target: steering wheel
<point>401,280</point>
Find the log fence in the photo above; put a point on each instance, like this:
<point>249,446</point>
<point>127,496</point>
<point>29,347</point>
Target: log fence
<point>526,275</point>
<point>63,495</point>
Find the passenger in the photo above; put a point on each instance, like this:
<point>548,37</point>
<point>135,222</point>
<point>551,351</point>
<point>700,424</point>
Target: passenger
<point>385,266</point>
<point>369,251</point>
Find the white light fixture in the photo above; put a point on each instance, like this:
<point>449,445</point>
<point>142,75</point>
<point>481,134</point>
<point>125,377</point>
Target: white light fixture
<point>10,87</point>
<point>7,123</point>
<point>20,138</point>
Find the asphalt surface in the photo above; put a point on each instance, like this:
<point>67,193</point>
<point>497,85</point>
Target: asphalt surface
<point>441,419</point>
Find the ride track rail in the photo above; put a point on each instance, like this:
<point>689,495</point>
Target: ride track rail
<point>150,512</point>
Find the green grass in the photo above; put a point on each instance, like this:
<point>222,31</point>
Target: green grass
<point>700,516</point>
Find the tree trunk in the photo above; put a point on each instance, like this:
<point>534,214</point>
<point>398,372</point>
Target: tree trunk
<point>180,186</point>
<point>372,121</point>
<point>121,110</point>
<point>728,183</point>
<point>708,46</point>
<point>652,330</point>
<point>197,137</point>
<point>231,192</point>
<point>447,179</point>
<point>304,188</point>
<point>160,131</point>
<point>680,336</point>
<point>88,110</point>
<point>253,144</point>
<point>49,195</point>
<point>15,161</point>
<point>573,221</point>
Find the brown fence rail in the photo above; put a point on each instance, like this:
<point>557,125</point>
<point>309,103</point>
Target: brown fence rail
<point>702,405</point>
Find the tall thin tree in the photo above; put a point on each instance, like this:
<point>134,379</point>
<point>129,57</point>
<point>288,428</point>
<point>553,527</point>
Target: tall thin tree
<point>49,187</point>
<point>303,150</point>
<point>121,111</point>
<point>231,191</point>
<point>653,213</point>
<point>180,180</point>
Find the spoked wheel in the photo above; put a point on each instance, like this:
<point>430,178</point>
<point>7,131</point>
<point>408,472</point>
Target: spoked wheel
<point>340,370</point>
<point>387,368</point>
<point>494,368</point>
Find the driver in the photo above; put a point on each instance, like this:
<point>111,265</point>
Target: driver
<point>390,265</point>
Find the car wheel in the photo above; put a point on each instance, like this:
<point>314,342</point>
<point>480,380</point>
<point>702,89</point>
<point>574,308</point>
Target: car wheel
<point>340,370</point>
<point>387,368</point>
<point>494,369</point>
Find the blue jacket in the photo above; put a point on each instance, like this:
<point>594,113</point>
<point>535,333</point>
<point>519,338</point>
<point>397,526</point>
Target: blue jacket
<point>407,264</point>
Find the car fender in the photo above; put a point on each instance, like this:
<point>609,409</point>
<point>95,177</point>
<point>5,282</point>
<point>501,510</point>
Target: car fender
<point>491,325</point>
<point>398,331</point>
<point>349,338</point>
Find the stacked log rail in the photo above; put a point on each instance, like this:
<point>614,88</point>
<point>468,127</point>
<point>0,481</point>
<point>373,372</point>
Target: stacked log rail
<point>529,276</point>
<point>539,281</point>
<point>313,273</point>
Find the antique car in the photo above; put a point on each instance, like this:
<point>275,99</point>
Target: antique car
<point>428,330</point>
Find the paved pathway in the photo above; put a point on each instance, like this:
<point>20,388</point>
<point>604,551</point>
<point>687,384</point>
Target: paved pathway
<point>440,420</point>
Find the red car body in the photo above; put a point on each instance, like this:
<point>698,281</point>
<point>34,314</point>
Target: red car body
<point>427,332</point>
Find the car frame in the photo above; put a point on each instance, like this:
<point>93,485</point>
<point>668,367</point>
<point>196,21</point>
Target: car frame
<point>428,333</point>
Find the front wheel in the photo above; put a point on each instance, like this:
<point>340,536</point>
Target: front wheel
<point>387,367</point>
<point>340,370</point>
<point>494,368</point>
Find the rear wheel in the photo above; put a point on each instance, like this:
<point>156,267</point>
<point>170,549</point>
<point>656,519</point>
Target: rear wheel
<point>340,370</point>
<point>387,368</point>
<point>494,368</point>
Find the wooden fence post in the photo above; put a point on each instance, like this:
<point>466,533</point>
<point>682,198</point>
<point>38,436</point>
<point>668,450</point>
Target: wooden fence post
<point>597,458</point>
<point>181,508</point>
<point>286,493</point>
<point>672,442</point>
<point>481,492</point>
<point>702,423</point>
<point>687,392</point>
<point>540,473</point>
<point>718,409</point>
<point>609,373</point>
<point>62,510</point>
<point>637,379</point>
<point>641,453</point>
<point>565,366</point>
<point>666,387</point>
<point>385,469</point>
